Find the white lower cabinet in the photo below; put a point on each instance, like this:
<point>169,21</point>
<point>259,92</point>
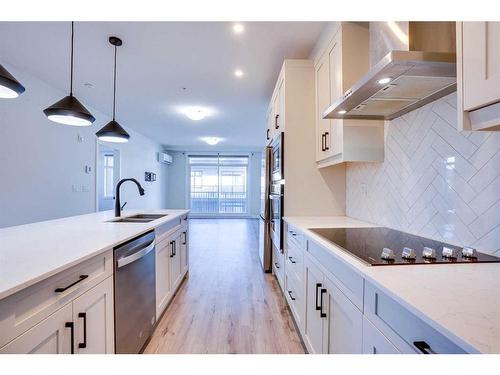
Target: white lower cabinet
<point>163,286</point>
<point>374,341</point>
<point>344,322</point>
<point>314,319</point>
<point>93,318</point>
<point>175,261</point>
<point>184,251</point>
<point>51,336</point>
<point>85,325</point>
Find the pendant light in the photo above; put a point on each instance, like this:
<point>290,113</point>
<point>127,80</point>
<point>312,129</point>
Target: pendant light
<point>112,131</point>
<point>69,110</point>
<point>9,86</point>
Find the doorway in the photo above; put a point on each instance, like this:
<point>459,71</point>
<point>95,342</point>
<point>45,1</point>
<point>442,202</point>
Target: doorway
<point>107,176</point>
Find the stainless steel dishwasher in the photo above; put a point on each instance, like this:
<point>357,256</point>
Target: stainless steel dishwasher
<point>135,296</point>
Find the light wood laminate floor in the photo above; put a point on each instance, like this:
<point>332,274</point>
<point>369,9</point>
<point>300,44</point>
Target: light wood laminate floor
<point>227,304</point>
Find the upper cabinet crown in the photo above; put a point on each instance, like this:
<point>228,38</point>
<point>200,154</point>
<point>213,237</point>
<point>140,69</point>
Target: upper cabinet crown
<point>478,70</point>
<point>339,65</point>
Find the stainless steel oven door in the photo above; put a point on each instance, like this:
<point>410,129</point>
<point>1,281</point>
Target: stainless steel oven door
<point>276,221</point>
<point>277,171</point>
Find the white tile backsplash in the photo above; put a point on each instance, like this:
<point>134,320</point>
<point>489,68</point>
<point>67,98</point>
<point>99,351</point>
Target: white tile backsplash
<point>435,181</point>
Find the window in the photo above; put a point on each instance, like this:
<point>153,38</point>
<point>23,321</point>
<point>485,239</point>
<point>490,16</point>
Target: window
<point>219,184</point>
<point>109,160</point>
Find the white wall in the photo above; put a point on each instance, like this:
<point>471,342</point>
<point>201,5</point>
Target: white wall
<point>435,181</point>
<point>177,188</point>
<point>41,161</point>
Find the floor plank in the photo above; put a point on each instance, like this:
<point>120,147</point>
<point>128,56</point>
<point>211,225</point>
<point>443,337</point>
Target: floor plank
<point>227,304</point>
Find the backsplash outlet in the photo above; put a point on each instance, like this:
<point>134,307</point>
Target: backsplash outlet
<point>435,181</point>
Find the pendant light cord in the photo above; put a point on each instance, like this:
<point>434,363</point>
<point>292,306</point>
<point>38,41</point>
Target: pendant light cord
<point>114,88</point>
<point>71,74</point>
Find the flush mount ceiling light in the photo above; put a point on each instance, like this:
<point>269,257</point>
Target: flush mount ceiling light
<point>384,80</point>
<point>212,141</point>
<point>113,131</point>
<point>195,113</point>
<point>238,28</point>
<point>9,86</point>
<point>238,73</point>
<point>69,110</point>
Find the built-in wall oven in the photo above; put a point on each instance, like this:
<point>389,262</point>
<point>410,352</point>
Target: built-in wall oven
<point>276,214</point>
<point>277,161</point>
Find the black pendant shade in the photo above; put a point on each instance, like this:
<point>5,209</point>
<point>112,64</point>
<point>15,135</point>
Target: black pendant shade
<point>69,110</point>
<point>9,86</point>
<point>113,131</point>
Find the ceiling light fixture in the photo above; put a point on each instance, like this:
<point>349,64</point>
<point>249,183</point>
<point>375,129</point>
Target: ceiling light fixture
<point>112,131</point>
<point>384,80</point>
<point>195,113</point>
<point>238,28</point>
<point>212,141</point>
<point>238,73</point>
<point>9,86</point>
<point>69,110</point>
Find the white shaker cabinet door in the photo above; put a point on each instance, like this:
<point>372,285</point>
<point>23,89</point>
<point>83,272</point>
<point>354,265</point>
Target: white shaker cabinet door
<point>51,336</point>
<point>313,329</point>
<point>93,317</point>
<point>481,64</point>
<point>162,269</point>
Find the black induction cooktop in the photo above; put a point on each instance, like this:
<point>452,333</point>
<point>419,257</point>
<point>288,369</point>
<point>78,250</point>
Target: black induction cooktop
<point>368,244</point>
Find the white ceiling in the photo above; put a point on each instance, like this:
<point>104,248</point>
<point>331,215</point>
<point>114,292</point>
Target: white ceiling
<point>156,61</point>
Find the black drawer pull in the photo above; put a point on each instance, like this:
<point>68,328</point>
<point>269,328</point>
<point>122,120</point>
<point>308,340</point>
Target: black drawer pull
<point>276,124</point>
<point>326,143</point>
<point>267,135</point>
<point>291,260</point>
<point>185,238</point>
<point>318,285</point>
<point>60,290</point>
<point>290,294</point>
<point>84,343</point>
<point>171,249</point>
<point>277,265</point>
<point>321,313</point>
<point>423,347</point>
<point>72,327</point>
<point>323,139</point>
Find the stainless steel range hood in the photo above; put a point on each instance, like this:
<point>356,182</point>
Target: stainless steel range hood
<point>405,78</point>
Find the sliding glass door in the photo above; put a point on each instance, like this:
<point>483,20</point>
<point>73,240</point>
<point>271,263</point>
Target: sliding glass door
<point>218,184</point>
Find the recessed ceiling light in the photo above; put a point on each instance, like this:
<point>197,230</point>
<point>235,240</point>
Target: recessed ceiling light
<point>238,73</point>
<point>384,80</point>
<point>342,112</point>
<point>238,28</point>
<point>212,141</point>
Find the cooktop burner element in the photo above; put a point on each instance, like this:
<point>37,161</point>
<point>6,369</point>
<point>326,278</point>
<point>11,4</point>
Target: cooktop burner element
<point>379,246</point>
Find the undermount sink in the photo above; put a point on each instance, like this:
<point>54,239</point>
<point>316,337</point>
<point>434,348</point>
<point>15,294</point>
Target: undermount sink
<point>139,218</point>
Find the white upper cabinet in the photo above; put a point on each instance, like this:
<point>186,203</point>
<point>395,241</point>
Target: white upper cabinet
<point>339,66</point>
<point>478,71</point>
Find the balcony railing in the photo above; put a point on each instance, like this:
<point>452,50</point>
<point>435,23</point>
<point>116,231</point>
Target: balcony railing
<point>219,202</point>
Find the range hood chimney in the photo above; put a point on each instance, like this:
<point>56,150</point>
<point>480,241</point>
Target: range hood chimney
<point>412,64</point>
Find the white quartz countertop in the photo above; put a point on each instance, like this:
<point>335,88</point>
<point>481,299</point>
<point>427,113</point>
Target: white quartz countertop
<point>33,252</point>
<point>462,301</point>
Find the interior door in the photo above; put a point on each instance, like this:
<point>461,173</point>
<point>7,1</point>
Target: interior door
<point>313,330</point>
<point>51,336</point>
<point>94,320</point>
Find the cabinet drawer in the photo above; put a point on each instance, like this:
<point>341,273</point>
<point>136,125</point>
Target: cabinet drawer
<point>392,318</point>
<point>279,266</point>
<point>294,260</point>
<point>295,296</point>
<point>21,311</point>
<point>374,341</point>
<point>344,277</point>
<point>165,231</point>
<point>295,237</point>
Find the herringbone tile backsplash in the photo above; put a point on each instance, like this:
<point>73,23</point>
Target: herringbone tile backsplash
<point>435,181</point>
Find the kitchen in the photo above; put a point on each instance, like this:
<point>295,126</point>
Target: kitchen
<point>352,209</point>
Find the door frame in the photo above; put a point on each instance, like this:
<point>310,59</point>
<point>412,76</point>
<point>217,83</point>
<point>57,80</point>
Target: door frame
<point>96,169</point>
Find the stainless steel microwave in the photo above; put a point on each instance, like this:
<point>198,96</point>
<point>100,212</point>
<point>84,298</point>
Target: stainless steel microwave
<point>277,160</point>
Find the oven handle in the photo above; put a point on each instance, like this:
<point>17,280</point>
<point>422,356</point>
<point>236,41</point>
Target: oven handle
<point>135,256</point>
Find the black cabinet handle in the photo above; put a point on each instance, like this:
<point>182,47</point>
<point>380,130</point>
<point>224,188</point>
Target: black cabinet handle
<point>423,347</point>
<point>326,143</point>
<point>276,125</point>
<point>175,248</point>
<point>323,142</point>
<point>171,249</point>
<point>290,294</point>
<point>72,327</point>
<point>291,260</point>
<point>60,290</point>
<point>185,238</point>
<point>321,313</point>
<point>267,134</point>
<point>318,285</point>
<point>84,343</point>
<point>277,265</point>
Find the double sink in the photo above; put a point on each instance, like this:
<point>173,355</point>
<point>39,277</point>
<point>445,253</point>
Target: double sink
<point>139,218</point>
